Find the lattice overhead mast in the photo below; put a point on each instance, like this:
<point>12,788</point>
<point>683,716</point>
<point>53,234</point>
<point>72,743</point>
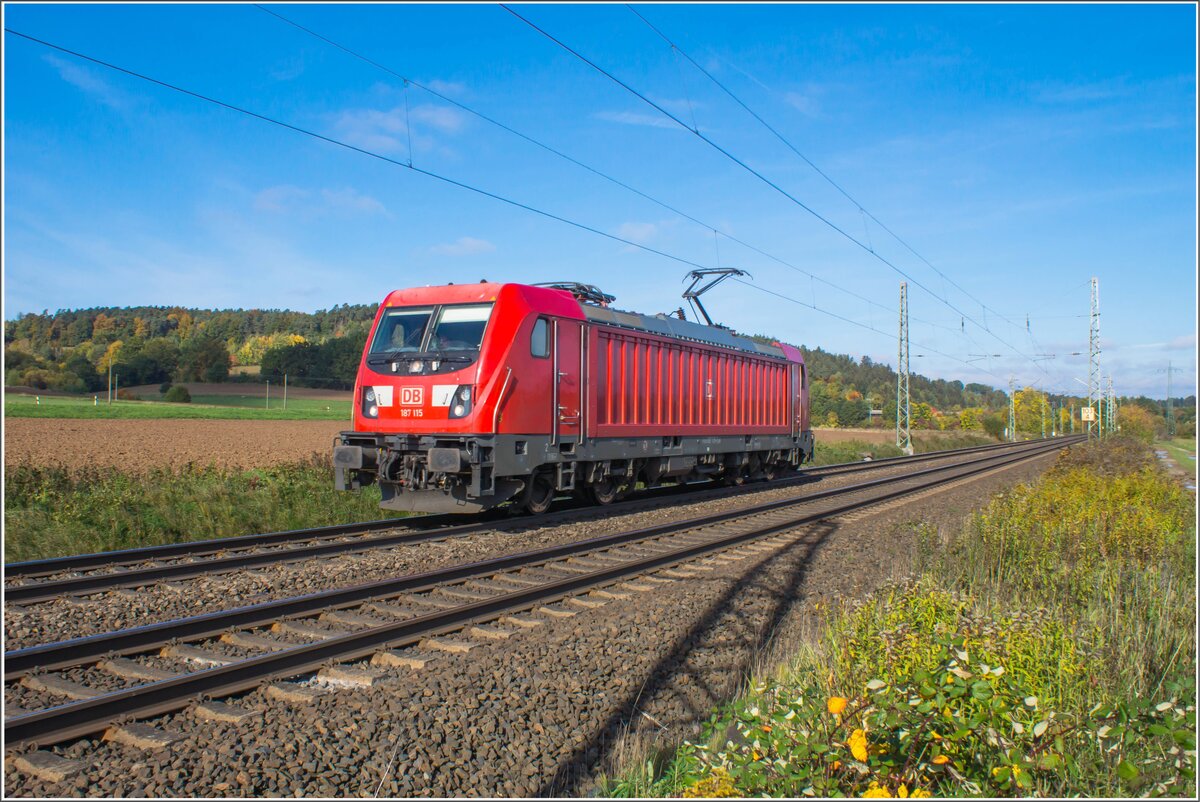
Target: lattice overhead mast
<point>1094,359</point>
<point>903,412</point>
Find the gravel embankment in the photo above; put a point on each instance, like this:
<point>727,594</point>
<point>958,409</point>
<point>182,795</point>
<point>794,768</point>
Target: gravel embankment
<point>61,618</point>
<point>540,713</point>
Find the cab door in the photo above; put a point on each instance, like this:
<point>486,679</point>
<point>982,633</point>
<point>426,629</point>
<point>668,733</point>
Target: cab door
<point>566,403</point>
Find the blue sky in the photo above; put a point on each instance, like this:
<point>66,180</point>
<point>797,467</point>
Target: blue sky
<point>1020,149</point>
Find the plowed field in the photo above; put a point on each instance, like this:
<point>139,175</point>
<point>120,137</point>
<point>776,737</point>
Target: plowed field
<point>136,445</point>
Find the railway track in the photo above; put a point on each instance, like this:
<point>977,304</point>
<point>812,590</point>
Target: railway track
<point>156,669</point>
<point>43,580</point>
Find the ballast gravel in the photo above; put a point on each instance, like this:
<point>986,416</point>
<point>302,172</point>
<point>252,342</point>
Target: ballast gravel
<point>60,619</point>
<point>539,713</point>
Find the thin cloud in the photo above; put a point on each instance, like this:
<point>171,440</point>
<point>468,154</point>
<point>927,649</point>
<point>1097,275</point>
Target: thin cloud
<point>293,200</point>
<point>464,246</point>
<point>288,69</point>
<point>633,118</point>
<point>373,129</point>
<point>640,233</point>
<point>447,87</point>
<point>443,118</point>
<point>89,82</point>
<point>1061,92</point>
<point>805,104</point>
<point>389,131</point>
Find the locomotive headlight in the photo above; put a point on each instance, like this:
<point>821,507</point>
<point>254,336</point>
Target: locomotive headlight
<point>370,405</point>
<point>460,404</point>
<point>416,366</point>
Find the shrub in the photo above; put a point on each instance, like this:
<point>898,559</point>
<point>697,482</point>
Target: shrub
<point>178,394</point>
<point>164,388</point>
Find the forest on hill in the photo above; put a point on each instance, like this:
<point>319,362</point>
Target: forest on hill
<point>73,350</point>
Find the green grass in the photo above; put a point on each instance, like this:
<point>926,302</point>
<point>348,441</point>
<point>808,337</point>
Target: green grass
<point>856,450</point>
<point>51,512</point>
<point>1182,450</point>
<point>1047,649</point>
<point>221,407</point>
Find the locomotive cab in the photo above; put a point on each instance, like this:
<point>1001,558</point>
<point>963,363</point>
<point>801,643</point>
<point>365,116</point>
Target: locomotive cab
<point>438,368</point>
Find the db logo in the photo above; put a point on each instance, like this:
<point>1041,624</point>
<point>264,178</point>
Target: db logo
<point>412,396</point>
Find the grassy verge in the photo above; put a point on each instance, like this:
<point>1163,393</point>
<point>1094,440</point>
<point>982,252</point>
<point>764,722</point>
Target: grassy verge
<point>1183,451</point>
<point>1047,648</point>
<point>855,450</point>
<point>205,407</point>
<point>51,512</point>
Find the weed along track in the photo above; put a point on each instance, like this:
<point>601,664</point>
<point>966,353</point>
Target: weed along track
<point>42,580</point>
<point>258,665</point>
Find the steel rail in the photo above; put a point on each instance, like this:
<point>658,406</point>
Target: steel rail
<point>79,651</point>
<point>34,592</point>
<point>427,524</point>
<point>89,716</point>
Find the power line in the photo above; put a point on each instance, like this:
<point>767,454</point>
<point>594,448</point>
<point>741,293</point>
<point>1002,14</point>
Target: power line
<point>865,326</point>
<point>395,162</point>
<point>830,224</point>
<point>355,148</point>
<point>445,179</point>
<point>577,162</point>
<point>862,210</point>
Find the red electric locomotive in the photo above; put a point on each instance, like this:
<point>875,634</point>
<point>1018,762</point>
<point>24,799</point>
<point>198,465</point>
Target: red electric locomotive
<point>469,396</point>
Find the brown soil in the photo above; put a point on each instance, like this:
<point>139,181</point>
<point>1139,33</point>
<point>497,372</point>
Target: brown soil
<point>874,435</point>
<point>139,445</point>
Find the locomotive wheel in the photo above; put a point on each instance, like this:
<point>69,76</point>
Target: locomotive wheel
<point>538,495</point>
<point>771,472</point>
<point>736,479</point>
<point>604,492</point>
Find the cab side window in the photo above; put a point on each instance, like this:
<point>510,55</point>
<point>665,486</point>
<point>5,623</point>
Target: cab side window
<point>539,342</point>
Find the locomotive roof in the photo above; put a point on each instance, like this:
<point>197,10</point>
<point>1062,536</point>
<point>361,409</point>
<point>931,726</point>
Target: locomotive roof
<point>680,329</point>
<point>547,298</point>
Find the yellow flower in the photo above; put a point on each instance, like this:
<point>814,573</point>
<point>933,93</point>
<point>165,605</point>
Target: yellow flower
<point>919,793</point>
<point>936,737</point>
<point>875,792</point>
<point>766,728</point>
<point>858,745</point>
<point>837,764</point>
<point>754,754</point>
<point>941,760</point>
<point>902,791</point>
<point>835,705</point>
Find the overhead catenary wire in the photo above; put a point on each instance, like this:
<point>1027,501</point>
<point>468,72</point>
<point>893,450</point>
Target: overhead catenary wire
<point>861,325</point>
<point>357,149</point>
<point>787,143</point>
<point>389,160</point>
<point>575,161</point>
<point>725,152</point>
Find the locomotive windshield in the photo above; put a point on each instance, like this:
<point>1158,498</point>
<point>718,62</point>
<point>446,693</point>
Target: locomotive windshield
<point>459,328</point>
<point>401,329</point>
<point>454,332</point>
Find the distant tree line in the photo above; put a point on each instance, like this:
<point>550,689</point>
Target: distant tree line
<point>73,350</point>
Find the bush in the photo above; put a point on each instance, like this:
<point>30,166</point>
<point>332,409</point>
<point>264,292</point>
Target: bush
<point>178,394</point>
<point>165,388</point>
